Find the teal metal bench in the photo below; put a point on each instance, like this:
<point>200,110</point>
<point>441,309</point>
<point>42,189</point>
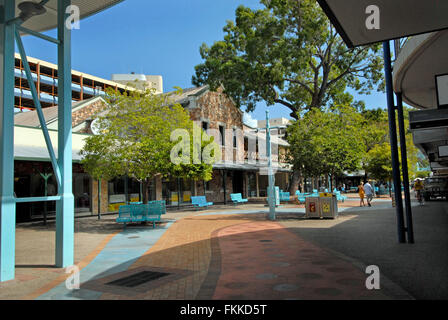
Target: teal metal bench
<point>137,213</point>
<point>124,215</point>
<point>200,202</point>
<point>340,197</point>
<point>285,196</point>
<point>237,198</point>
<point>158,206</point>
<point>155,211</point>
<point>301,197</point>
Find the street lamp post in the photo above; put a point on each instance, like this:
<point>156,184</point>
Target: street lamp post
<point>271,178</point>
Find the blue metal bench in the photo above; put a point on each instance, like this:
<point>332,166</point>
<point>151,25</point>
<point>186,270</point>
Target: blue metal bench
<point>124,215</point>
<point>285,196</point>
<point>158,205</point>
<point>155,211</point>
<point>237,198</point>
<point>132,213</point>
<point>200,202</point>
<point>340,197</point>
<point>301,197</point>
<point>138,212</point>
<point>135,213</point>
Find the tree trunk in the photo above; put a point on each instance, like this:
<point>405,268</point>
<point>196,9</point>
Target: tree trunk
<point>145,191</point>
<point>195,188</point>
<point>294,182</point>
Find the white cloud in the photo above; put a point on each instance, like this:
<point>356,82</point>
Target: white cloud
<point>249,121</point>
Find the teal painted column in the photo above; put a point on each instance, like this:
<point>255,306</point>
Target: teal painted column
<point>271,177</point>
<point>99,199</point>
<point>7,201</point>
<point>65,208</point>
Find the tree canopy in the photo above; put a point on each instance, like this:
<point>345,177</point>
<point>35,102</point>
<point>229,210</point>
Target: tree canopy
<point>326,142</point>
<point>136,140</point>
<point>287,53</point>
<point>342,138</point>
<point>377,161</point>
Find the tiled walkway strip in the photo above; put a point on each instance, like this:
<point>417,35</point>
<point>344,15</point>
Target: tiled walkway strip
<point>119,254</point>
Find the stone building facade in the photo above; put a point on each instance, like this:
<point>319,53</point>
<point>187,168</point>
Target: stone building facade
<point>215,113</point>
<point>218,115</point>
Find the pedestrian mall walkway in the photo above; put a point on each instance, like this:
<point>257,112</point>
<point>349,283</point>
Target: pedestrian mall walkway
<point>225,252</point>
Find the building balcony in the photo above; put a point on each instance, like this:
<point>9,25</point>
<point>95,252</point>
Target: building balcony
<point>419,60</point>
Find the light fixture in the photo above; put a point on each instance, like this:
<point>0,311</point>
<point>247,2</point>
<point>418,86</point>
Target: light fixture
<point>30,9</point>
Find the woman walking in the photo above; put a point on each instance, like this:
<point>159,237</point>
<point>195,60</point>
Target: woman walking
<point>362,194</point>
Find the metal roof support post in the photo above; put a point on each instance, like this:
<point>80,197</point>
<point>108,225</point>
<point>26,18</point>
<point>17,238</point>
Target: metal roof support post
<point>99,199</point>
<point>394,141</point>
<point>65,207</point>
<point>404,161</point>
<point>7,201</point>
<point>224,185</point>
<point>38,106</point>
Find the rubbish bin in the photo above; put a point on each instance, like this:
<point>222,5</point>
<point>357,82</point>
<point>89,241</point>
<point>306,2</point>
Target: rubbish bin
<point>312,207</point>
<point>328,206</point>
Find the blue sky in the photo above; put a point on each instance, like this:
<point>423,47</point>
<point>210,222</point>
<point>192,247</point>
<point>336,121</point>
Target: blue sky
<point>155,38</point>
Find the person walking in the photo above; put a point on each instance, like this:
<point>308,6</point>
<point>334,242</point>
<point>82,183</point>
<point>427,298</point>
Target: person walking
<point>361,193</point>
<point>418,187</point>
<point>370,193</point>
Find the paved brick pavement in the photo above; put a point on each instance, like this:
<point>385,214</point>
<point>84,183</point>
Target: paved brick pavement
<point>214,254</point>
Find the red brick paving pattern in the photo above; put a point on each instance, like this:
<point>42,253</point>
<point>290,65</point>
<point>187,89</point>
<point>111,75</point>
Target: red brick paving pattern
<point>262,260</point>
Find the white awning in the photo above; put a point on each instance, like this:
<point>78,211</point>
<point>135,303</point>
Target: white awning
<point>29,144</point>
<point>48,20</point>
<point>361,22</point>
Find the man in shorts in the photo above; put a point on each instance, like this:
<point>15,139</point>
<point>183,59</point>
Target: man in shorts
<point>368,189</point>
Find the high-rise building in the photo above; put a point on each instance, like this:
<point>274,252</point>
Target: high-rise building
<point>84,86</point>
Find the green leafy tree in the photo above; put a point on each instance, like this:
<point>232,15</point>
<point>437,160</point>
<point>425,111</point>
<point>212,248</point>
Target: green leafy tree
<point>288,53</point>
<point>378,160</point>
<point>136,140</point>
<point>379,163</point>
<point>326,142</point>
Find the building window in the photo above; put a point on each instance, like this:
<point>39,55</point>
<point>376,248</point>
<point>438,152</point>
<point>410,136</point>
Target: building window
<point>222,132</point>
<point>121,191</point>
<point>177,191</point>
<point>204,126</point>
<point>234,138</point>
<point>252,185</point>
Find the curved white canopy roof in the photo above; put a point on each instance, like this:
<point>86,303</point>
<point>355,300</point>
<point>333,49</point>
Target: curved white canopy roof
<point>48,20</point>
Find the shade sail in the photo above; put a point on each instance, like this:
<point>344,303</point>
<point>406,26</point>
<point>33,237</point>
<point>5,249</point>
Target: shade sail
<point>397,18</point>
<point>48,20</point>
